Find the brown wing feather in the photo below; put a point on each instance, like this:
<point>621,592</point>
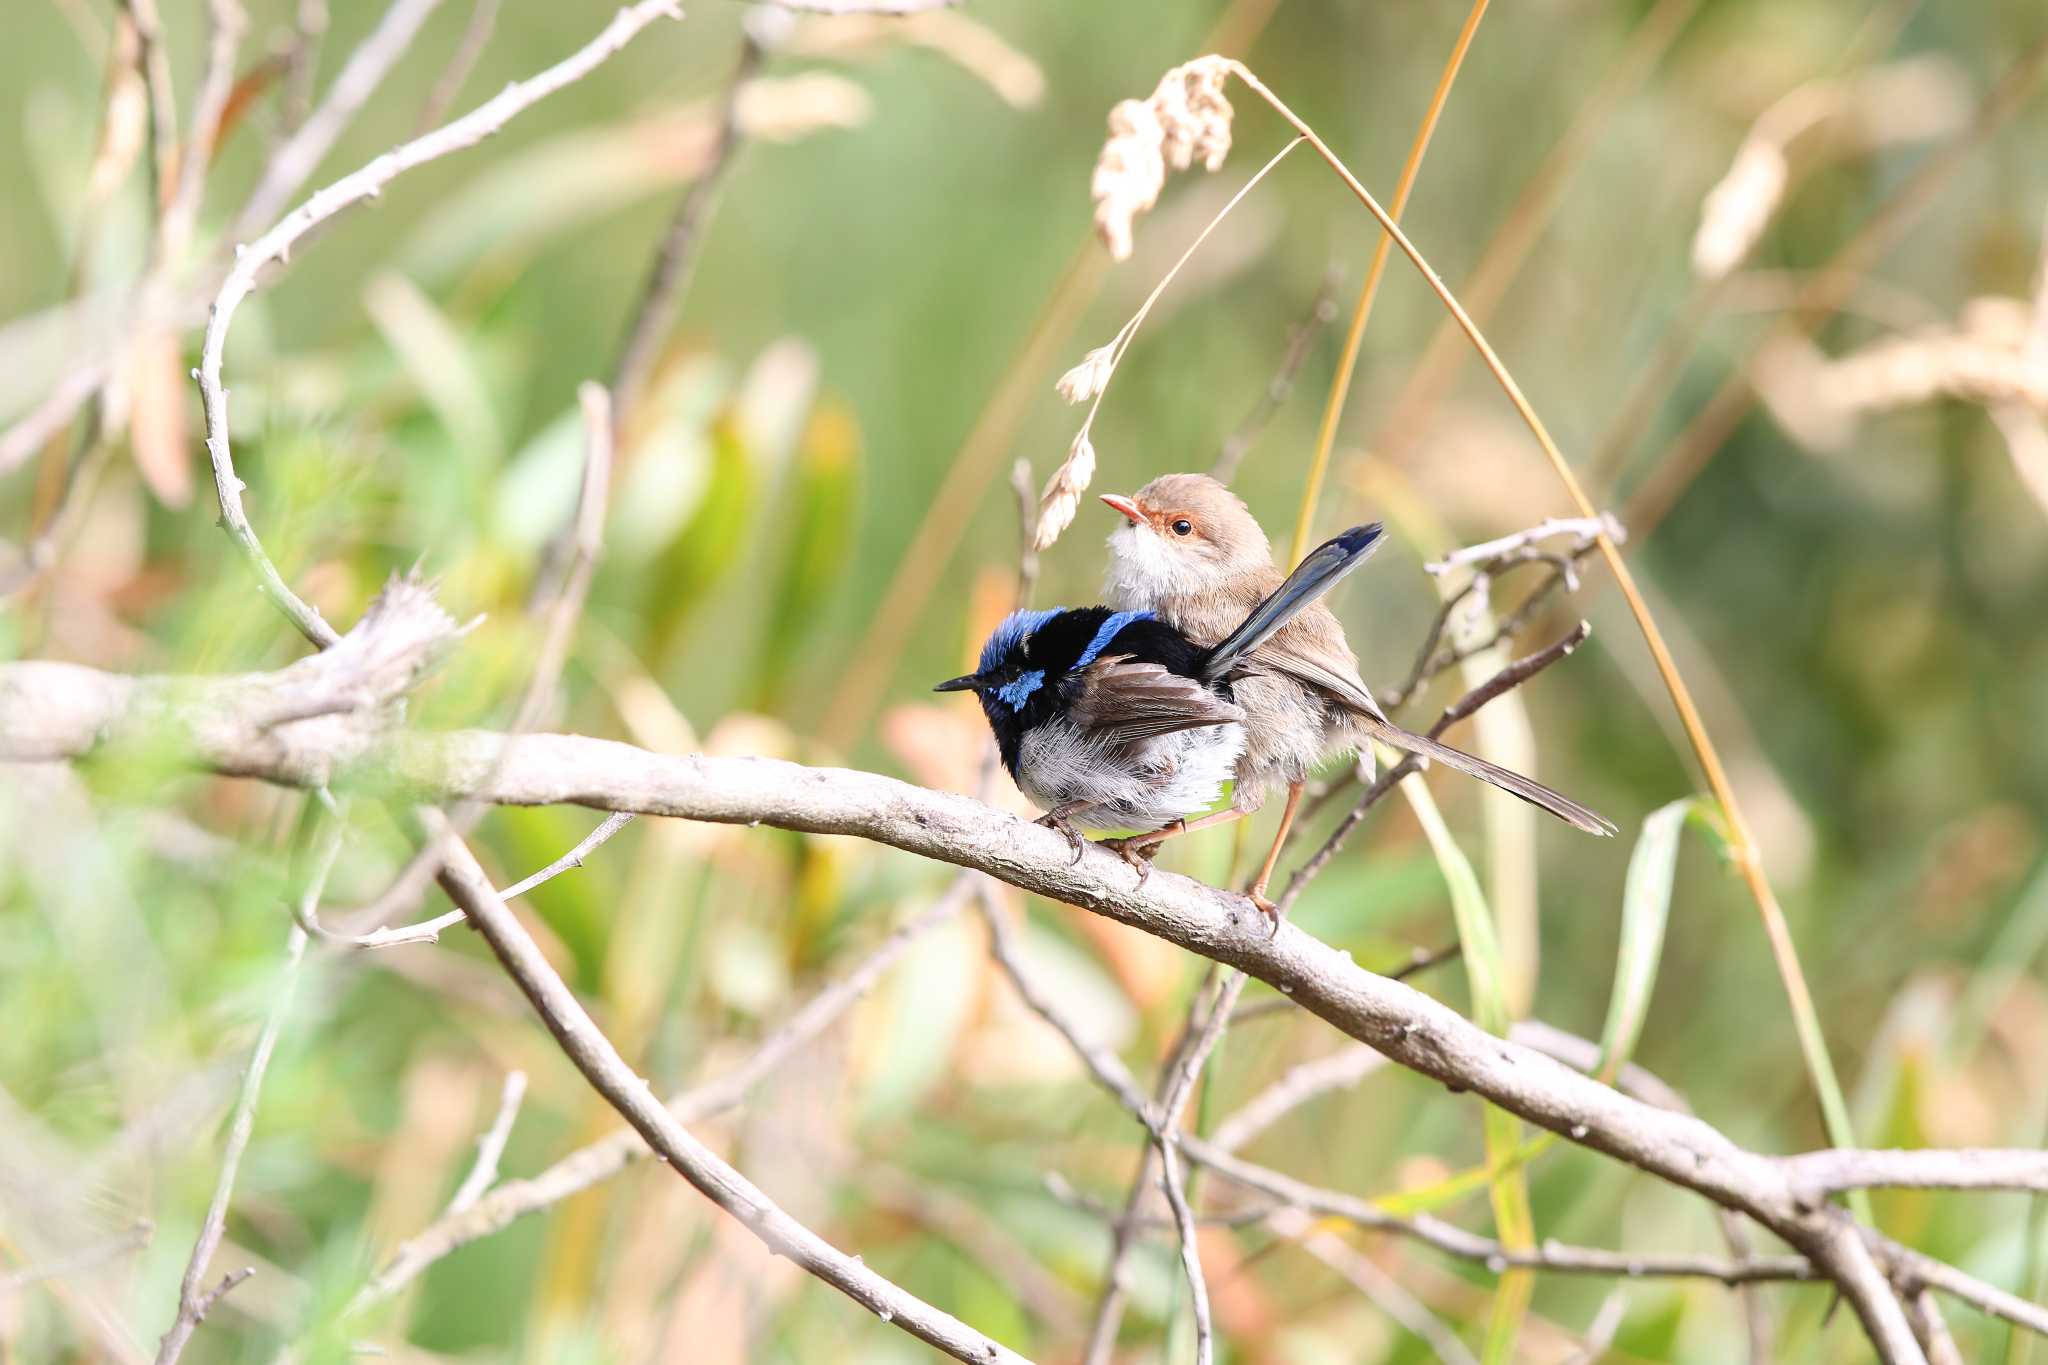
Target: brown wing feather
<point>1124,699</point>
<point>1312,648</point>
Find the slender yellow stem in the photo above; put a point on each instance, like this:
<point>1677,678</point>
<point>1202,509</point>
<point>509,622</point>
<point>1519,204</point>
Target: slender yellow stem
<point>1340,383</point>
<point>1741,843</point>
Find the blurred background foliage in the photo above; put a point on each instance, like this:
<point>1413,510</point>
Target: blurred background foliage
<point>1868,631</point>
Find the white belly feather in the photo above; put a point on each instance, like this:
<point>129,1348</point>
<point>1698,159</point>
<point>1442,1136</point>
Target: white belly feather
<point>1165,779</point>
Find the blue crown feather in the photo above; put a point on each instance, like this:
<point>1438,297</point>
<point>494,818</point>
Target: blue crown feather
<point>1011,633</point>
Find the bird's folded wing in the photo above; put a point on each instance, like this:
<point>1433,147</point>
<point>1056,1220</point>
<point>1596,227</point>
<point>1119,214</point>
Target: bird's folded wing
<point>1123,699</point>
<point>1343,684</point>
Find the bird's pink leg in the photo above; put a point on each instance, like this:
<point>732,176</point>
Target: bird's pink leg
<point>1258,891</point>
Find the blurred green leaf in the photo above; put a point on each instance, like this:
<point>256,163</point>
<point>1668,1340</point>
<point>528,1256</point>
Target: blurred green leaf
<point>709,546</point>
<point>1645,910</point>
<point>825,506</point>
<point>1514,1223</point>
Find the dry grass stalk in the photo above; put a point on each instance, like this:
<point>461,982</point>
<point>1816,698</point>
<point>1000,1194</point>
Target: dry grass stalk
<point>1089,380</point>
<point>1916,100</point>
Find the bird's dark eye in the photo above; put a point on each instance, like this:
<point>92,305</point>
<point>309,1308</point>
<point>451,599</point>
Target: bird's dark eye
<point>1183,527</point>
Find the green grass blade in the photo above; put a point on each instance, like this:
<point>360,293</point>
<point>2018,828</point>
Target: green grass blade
<point>1645,910</point>
<point>1514,1223</point>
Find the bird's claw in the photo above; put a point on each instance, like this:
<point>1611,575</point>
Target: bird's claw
<point>1136,852</point>
<point>1267,908</point>
<point>1054,820</point>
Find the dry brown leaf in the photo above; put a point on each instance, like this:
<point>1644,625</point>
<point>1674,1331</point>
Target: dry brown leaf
<point>159,432</point>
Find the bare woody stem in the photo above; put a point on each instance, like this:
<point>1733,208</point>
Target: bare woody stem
<point>629,1093</point>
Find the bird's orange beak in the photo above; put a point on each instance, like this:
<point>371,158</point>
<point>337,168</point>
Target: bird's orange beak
<point>1124,507</point>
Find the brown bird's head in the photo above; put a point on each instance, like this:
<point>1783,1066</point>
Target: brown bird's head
<point>1182,534</point>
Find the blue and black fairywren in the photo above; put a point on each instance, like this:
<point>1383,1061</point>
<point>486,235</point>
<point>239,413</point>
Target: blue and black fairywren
<point>1193,556</point>
<point>1115,720</point>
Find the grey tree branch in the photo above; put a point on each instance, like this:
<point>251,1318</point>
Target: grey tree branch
<point>630,1094</point>
<point>55,711</point>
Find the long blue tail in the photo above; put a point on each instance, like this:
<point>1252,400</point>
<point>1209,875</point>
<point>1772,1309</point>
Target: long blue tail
<point>1315,576</point>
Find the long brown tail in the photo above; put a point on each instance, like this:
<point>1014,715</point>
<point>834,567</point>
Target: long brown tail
<point>1530,790</point>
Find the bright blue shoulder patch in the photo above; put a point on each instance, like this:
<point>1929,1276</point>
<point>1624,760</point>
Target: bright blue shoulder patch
<point>1116,622</point>
<point>1011,633</point>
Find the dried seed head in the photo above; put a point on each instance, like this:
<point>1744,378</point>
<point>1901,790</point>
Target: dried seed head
<point>1738,208</point>
<point>1090,377</point>
<point>1908,101</point>
<point>1056,506</point>
<point>1987,360</point>
<point>1186,119</point>
<point>1194,113</point>
<point>1128,174</point>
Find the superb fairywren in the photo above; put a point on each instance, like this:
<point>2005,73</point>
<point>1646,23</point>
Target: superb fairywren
<point>1192,556</point>
<point>1116,720</point>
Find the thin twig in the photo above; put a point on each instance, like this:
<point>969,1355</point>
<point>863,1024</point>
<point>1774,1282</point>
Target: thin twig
<point>613,823</point>
<point>1515,674</point>
<point>1190,1250</point>
<point>1301,339</point>
<point>483,18</point>
<point>155,63</point>
<point>275,246</point>
<point>301,65</point>
<point>193,1300</point>
<point>1377,1285</point>
<point>308,146</point>
<point>429,931</point>
<point>174,228</point>
<point>85,1258</point>
<point>654,315</point>
<point>608,1155</point>
<point>490,1149</point>
<point>593,1054</point>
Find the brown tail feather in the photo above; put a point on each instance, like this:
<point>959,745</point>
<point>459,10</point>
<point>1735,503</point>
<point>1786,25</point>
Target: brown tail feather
<point>1530,790</point>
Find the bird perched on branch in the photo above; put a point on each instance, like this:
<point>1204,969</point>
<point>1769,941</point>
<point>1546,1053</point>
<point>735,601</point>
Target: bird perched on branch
<point>1115,720</point>
<point>1194,557</point>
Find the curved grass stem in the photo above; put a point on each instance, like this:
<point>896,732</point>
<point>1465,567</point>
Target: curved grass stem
<point>1806,1021</point>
